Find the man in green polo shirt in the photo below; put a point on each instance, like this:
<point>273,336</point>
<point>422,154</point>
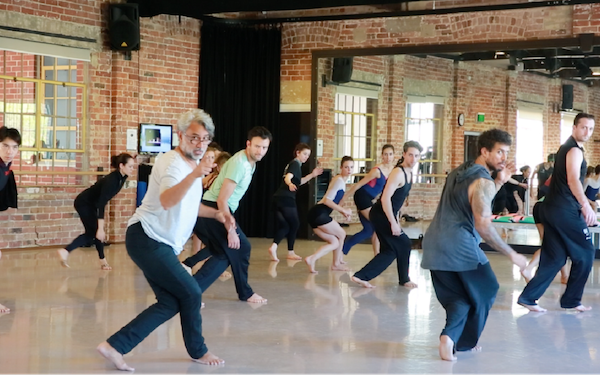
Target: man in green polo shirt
<point>229,245</point>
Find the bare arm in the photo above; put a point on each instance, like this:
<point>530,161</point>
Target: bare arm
<point>481,194</point>
<point>173,195</point>
<point>330,203</point>
<point>316,172</point>
<point>574,160</point>
<point>373,173</point>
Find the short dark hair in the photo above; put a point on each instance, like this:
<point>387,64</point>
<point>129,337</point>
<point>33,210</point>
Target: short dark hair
<point>387,145</point>
<point>123,158</point>
<point>345,159</point>
<point>524,168</point>
<point>551,157</point>
<point>413,144</point>
<point>580,116</point>
<point>10,133</point>
<point>489,138</point>
<point>261,132</point>
<point>597,169</point>
<point>300,147</point>
<point>589,170</point>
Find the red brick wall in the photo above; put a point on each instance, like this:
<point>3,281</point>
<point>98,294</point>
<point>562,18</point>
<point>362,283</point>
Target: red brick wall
<point>156,85</point>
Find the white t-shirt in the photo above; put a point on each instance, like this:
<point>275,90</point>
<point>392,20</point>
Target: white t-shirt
<point>175,225</point>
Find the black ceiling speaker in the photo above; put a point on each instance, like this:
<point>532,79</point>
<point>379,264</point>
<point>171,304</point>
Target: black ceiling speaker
<point>342,69</point>
<point>567,97</point>
<point>124,27</point>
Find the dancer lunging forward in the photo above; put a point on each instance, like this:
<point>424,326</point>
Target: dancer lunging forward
<point>324,226</point>
<point>463,280</point>
<point>284,199</point>
<point>395,244</point>
<point>365,191</point>
<point>156,235</point>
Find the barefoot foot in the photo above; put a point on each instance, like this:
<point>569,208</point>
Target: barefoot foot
<point>104,266</point>
<point>363,283</point>
<point>527,275</point>
<point>310,262</point>
<point>410,285</point>
<point>339,267</point>
<point>534,308</point>
<point>273,252</point>
<point>446,348</point>
<point>4,309</point>
<point>226,275</point>
<point>293,256</point>
<point>64,256</point>
<point>255,298</point>
<point>579,308</point>
<point>114,356</point>
<point>209,359</point>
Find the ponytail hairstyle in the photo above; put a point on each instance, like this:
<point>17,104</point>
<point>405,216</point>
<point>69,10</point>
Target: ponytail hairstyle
<point>407,145</point>
<point>299,148</point>
<point>123,158</point>
<point>345,159</point>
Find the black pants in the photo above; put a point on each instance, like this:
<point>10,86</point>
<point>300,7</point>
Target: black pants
<point>392,247</point>
<point>176,292</point>
<point>89,217</point>
<point>467,298</point>
<point>214,235</point>
<point>288,223</point>
<point>565,235</point>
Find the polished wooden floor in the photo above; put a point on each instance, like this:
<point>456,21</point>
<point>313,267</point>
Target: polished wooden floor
<point>312,323</point>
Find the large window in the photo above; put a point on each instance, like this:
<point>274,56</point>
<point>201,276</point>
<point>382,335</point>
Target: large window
<point>424,125</point>
<point>566,126</point>
<point>44,97</point>
<point>355,130</point>
<point>530,140</point>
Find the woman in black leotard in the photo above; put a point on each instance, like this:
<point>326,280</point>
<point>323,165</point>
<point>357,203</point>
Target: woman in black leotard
<point>395,244</point>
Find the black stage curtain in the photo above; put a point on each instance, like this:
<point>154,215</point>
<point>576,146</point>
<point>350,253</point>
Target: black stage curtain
<point>239,87</point>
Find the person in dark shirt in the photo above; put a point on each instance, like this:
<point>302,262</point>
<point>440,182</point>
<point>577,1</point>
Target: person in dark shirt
<point>10,140</point>
<point>284,199</point>
<point>515,203</point>
<point>566,215</point>
<point>543,171</point>
<point>90,205</point>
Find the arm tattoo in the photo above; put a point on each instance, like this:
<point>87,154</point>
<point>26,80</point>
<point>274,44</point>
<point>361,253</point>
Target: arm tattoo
<point>481,204</point>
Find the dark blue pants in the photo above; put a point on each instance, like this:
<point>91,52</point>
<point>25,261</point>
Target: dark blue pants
<point>89,217</point>
<point>467,298</point>
<point>214,235</point>
<point>176,292</point>
<point>366,232</point>
<point>392,247</point>
<point>565,235</point>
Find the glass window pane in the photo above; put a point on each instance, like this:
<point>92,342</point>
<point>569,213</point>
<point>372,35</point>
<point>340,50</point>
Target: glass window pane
<point>47,132</point>
<point>28,131</point>
<point>61,91</point>
<point>62,75</point>
<point>48,107</point>
<point>62,61</point>
<point>74,75</point>
<point>48,61</point>
<point>49,75</point>
<point>28,97</point>
<point>72,107</point>
<point>61,107</point>
<point>48,90</point>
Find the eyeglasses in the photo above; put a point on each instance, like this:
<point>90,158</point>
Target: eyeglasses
<point>194,139</point>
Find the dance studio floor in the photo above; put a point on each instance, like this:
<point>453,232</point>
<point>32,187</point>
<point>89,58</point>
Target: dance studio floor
<point>312,323</point>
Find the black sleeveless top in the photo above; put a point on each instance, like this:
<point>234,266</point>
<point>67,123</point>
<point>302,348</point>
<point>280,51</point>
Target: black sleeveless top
<point>398,197</point>
<point>560,194</point>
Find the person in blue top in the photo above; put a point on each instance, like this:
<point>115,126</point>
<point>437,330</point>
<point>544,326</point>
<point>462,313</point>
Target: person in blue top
<point>365,191</point>
<point>90,205</point>
<point>324,226</point>
<point>395,244</point>
<point>591,185</point>
<point>464,283</point>
<point>284,199</point>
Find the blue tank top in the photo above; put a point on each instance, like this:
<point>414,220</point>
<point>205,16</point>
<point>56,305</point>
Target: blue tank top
<point>375,186</point>
<point>398,197</point>
<point>591,193</point>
